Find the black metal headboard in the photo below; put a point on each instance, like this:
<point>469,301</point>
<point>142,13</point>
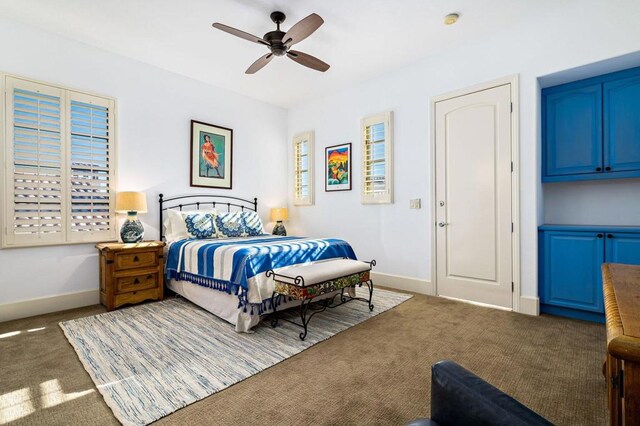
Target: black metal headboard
<point>203,200</point>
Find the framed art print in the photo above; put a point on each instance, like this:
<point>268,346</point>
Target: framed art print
<point>337,166</point>
<point>211,155</point>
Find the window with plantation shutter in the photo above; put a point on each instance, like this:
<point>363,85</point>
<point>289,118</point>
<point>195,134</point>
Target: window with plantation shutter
<point>90,167</point>
<point>303,169</point>
<point>377,162</point>
<point>59,166</point>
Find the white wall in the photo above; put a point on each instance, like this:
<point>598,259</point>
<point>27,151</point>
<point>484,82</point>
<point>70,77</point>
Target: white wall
<point>399,238</point>
<point>603,202</point>
<point>154,112</point>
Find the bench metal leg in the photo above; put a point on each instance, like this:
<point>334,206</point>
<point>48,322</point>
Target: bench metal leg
<point>304,307</point>
<point>275,298</point>
<point>370,285</point>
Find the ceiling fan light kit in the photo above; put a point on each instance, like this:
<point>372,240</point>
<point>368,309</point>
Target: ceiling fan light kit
<point>279,42</point>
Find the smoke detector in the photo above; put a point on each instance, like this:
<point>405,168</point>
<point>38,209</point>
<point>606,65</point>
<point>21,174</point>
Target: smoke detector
<point>451,18</point>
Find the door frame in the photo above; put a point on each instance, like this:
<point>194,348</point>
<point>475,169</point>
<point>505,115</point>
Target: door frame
<point>514,82</point>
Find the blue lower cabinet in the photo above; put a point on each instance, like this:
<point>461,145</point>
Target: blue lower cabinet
<point>570,262</point>
<point>571,274</point>
<point>623,248</point>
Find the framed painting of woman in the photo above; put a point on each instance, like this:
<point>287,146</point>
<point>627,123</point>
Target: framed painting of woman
<point>211,155</point>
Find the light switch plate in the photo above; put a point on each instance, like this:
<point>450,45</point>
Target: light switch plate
<point>415,203</point>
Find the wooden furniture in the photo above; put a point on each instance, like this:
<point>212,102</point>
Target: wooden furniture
<point>591,128</point>
<point>130,273</point>
<point>622,368</point>
<point>570,259</point>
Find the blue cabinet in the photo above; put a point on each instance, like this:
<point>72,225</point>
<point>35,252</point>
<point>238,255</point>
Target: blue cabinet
<point>572,270</point>
<point>572,149</point>
<point>570,261</point>
<point>591,128</point>
<point>623,247</point>
<point>622,124</point>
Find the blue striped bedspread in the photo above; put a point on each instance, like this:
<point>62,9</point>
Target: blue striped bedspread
<point>238,265</point>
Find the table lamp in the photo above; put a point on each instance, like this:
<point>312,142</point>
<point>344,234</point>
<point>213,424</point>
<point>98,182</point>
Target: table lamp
<point>278,215</point>
<point>131,203</point>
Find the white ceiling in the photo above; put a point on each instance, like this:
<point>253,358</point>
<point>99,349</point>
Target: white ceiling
<point>360,39</point>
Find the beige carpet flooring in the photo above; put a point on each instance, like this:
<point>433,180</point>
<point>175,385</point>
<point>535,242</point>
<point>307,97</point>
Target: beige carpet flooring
<point>377,372</point>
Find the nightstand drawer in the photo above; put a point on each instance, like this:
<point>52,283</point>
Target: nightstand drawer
<point>137,282</point>
<point>138,296</point>
<point>136,260</point>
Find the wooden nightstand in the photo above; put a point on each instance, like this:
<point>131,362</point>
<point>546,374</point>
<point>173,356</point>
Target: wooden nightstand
<point>131,273</point>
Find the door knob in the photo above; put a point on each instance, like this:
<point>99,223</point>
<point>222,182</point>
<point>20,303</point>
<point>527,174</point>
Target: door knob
<point>442,224</point>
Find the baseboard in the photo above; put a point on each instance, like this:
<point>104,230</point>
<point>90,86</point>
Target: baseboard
<point>46,305</point>
<point>402,283</point>
<point>529,305</point>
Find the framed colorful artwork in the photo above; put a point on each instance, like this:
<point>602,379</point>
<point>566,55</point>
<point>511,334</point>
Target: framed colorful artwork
<point>337,166</point>
<point>211,155</point>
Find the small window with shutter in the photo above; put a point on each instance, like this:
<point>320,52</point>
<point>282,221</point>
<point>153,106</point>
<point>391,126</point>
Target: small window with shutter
<point>59,149</point>
<point>303,169</point>
<point>377,161</point>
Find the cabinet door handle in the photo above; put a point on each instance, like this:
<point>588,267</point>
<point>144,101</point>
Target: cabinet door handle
<point>600,235</point>
<point>135,258</point>
<point>598,169</point>
<point>607,168</point>
<point>149,277</point>
<point>609,235</point>
<point>136,281</point>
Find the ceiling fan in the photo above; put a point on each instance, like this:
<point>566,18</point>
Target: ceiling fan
<point>279,42</point>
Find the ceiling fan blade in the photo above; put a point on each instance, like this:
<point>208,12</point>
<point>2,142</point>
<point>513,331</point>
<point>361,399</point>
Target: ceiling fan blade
<point>238,33</point>
<point>308,60</point>
<point>259,64</point>
<point>302,29</point>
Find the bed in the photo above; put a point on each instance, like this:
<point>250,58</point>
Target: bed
<point>225,272</point>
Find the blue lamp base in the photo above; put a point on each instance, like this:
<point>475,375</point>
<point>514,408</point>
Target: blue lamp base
<point>279,229</point>
<point>132,230</point>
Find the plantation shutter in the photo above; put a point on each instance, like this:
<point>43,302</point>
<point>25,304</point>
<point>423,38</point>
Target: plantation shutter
<point>303,164</point>
<point>376,159</point>
<point>59,162</point>
<point>91,162</point>
<point>35,163</point>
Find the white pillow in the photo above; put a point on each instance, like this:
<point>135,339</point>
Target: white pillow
<point>175,227</point>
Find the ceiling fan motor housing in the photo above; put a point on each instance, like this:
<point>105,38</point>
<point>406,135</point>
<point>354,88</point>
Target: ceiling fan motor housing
<point>275,39</point>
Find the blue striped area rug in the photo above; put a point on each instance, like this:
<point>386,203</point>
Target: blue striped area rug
<point>150,360</point>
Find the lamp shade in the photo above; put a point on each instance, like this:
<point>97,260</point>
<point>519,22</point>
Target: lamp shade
<point>280,213</point>
<point>130,201</point>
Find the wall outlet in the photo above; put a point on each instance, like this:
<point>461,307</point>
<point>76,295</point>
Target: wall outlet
<point>416,203</point>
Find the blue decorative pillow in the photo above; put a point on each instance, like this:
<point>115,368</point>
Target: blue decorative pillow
<point>230,224</point>
<point>252,223</point>
<point>200,225</point>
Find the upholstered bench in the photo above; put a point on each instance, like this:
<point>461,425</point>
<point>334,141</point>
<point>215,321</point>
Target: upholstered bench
<point>308,281</point>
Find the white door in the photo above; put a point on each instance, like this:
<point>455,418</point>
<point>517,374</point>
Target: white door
<point>473,197</point>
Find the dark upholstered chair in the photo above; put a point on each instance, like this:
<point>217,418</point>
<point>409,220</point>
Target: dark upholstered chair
<point>459,397</point>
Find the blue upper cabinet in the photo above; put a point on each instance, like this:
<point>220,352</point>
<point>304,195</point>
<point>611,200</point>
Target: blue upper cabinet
<point>591,128</point>
<point>622,125</point>
<point>571,149</point>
